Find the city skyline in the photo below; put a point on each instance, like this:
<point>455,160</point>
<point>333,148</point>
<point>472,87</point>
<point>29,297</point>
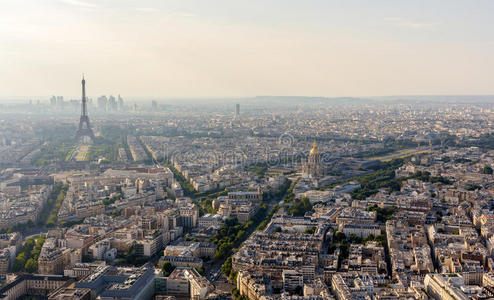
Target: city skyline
<point>227,49</point>
<point>247,150</point>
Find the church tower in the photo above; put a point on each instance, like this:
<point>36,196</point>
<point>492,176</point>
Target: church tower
<point>312,168</point>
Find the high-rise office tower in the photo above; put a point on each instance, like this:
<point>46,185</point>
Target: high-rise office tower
<point>112,104</point>
<point>237,110</point>
<point>102,103</point>
<point>120,103</point>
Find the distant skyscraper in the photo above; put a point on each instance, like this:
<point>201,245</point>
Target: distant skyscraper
<point>112,104</point>
<point>53,101</point>
<point>102,103</point>
<point>237,110</point>
<point>120,103</point>
<point>60,102</point>
<point>154,105</point>
<point>84,127</point>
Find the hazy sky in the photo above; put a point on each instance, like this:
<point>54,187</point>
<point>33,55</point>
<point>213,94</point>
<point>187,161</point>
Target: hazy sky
<point>170,48</point>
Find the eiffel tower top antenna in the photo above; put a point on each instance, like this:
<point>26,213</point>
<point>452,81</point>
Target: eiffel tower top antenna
<point>84,105</point>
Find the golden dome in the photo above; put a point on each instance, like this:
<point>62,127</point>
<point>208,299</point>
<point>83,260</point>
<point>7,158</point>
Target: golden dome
<point>314,149</point>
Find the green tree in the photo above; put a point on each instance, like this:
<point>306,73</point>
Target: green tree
<point>226,268</point>
<point>29,243</point>
<point>167,269</point>
<point>240,234</point>
<point>300,208</point>
<point>339,236</point>
<point>200,271</point>
<point>355,239</point>
<point>487,170</point>
<point>31,266</point>
<point>382,214</point>
<point>20,262</point>
<point>310,230</point>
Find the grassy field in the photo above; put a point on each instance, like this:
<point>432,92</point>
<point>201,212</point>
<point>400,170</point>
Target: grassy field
<point>399,154</point>
<point>69,154</point>
<point>54,152</point>
<point>82,153</point>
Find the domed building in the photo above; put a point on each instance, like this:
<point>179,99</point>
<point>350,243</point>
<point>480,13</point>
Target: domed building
<point>312,168</point>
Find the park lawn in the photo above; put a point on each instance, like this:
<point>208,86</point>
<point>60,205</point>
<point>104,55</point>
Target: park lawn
<point>399,154</point>
<point>82,153</point>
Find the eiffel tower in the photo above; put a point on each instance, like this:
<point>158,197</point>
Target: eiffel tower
<point>84,127</point>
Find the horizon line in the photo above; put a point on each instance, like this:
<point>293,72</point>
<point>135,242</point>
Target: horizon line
<point>20,98</point>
